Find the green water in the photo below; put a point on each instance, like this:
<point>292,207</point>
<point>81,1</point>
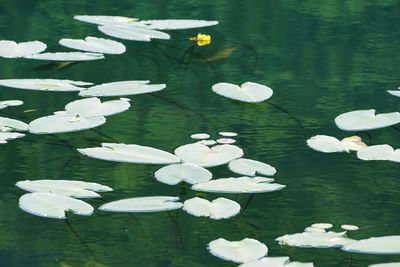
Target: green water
<point>322,58</point>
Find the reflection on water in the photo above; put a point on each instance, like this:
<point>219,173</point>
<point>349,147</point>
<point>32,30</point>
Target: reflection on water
<point>321,59</point>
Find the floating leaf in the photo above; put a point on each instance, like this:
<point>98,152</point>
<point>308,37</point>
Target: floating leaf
<point>44,84</point>
<point>228,134</point>
<point>349,227</point>
<point>315,240</point>
<point>67,56</point>
<point>177,24</point>
<point>90,107</point>
<point>94,44</point>
<point>122,88</point>
<point>250,167</point>
<point>176,173</point>
<point>247,92</point>
<point>389,264</point>
<point>322,225</point>
<point>207,142</point>
<point>103,20</point>
<point>130,154</point>
<point>8,125</point>
<point>205,156</point>
<point>330,144</point>
<point>5,136</point>
<point>10,103</point>
<point>395,92</point>
<point>239,185</point>
<point>220,208</point>
<point>226,141</point>
<point>362,120</point>
<point>276,262</point>
<point>200,136</point>
<point>379,152</point>
<point>68,188</point>
<point>11,49</point>
<point>246,250</point>
<point>375,245</point>
<point>127,32</point>
<point>143,204</point>
<point>52,205</point>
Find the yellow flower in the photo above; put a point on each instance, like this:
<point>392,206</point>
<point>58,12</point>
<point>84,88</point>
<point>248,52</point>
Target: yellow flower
<point>202,39</point>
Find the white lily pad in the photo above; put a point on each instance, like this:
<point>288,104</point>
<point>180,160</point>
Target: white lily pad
<point>394,92</point>
<point>226,141</point>
<point>250,167</point>
<point>10,103</point>
<point>9,125</point>
<point>67,56</point>
<point>247,92</point>
<point>200,136</point>
<point>379,152</point>
<point>143,204</point>
<point>94,44</point>
<point>267,262</point>
<point>207,142</point>
<point>314,230</point>
<point>52,205</point>
<point>349,227</point>
<point>375,245</point>
<point>228,134</point>
<point>176,173</point>
<point>362,120</point>
<point>11,49</point>
<point>130,154</point>
<point>122,88</point>
<point>389,264</point>
<point>243,251</point>
<point>330,144</point>
<point>205,156</point>
<point>322,225</point>
<point>315,240</point>
<point>220,208</point>
<point>64,123</point>
<point>44,84</point>
<point>68,188</point>
<point>177,24</point>
<point>104,20</point>
<point>5,136</point>
<point>127,32</point>
<point>90,107</point>
<point>239,185</point>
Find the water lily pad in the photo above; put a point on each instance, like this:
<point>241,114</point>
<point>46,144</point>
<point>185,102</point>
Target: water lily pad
<point>177,24</point>
<point>395,92</point>
<point>226,141</point>
<point>315,240</point>
<point>330,144</point>
<point>143,204</point>
<point>247,92</point>
<point>379,152</point>
<point>200,136</point>
<point>9,125</point>
<point>90,107</point>
<point>250,167</point>
<point>44,84</point>
<point>52,205</point>
<point>122,88</point>
<point>322,225</point>
<point>68,188</point>
<point>176,173</point>
<point>11,49</point>
<point>67,56</point>
<point>349,227</point>
<point>5,136</point>
<point>375,245</point>
<point>362,120</point>
<point>239,185</point>
<point>127,32</point>
<point>10,103</point>
<point>228,134</point>
<point>243,251</point>
<point>207,142</point>
<point>103,20</point>
<point>220,208</point>
<point>205,156</point>
<point>94,44</point>
<point>129,154</point>
<point>314,230</point>
<point>389,264</point>
<point>267,262</point>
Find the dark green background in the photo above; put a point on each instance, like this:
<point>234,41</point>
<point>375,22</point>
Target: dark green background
<point>321,58</point>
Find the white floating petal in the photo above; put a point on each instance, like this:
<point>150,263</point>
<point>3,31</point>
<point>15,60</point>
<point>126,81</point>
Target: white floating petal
<point>349,227</point>
<point>268,262</point>
<point>68,188</point>
<point>200,136</point>
<point>130,154</point>
<point>8,125</point>
<point>5,136</point>
<point>246,250</point>
<point>126,32</point>
<point>322,225</point>
<point>90,107</point>
<point>220,208</point>
<point>375,245</point>
<point>205,156</point>
<point>239,185</point>
<point>389,264</point>
<point>315,240</point>
<point>362,120</point>
<point>177,24</point>
<point>247,92</point>
<point>176,173</point>
<point>143,204</point>
<point>52,205</point>
<point>64,123</point>
<point>122,88</point>
<point>226,141</point>
<point>250,167</point>
<point>379,152</point>
<point>330,144</point>
<point>11,49</point>
<point>94,44</point>
<point>10,103</point>
<point>207,142</point>
<point>228,134</point>
<point>44,84</point>
<point>103,20</point>
<point>67,56</point>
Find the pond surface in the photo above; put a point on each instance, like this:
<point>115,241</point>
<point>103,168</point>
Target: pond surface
<point>320,58</point>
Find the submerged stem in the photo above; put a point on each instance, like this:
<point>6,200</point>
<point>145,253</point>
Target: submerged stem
<point>76,234</point>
